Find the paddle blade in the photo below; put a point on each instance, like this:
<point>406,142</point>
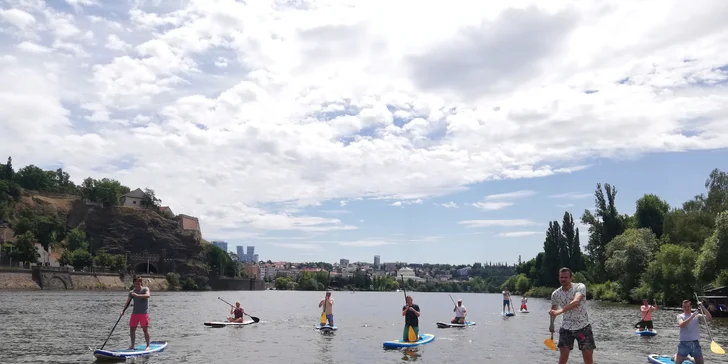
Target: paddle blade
<point>255,319</point>
<point>550,343</point>
<point>714,347</point>
<point>411,334</point>
<point>323,318</point>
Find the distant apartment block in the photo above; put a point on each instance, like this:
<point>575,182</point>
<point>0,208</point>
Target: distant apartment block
<point>247,257</point>
<point>343,262</point>
<point>377,261</point>
<point>222,245</point>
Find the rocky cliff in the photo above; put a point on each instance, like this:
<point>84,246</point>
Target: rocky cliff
<point>146,238</point>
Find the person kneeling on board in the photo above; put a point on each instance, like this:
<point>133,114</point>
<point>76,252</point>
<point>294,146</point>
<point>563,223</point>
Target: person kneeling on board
<point>524,300</point>
<point>237,313</point>
<point>460,313</point>
<point>411,313</point>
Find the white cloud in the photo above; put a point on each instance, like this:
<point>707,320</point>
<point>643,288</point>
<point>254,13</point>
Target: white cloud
<point>365,243</point>
<point>297,246</point>
<point>518,234</point>
<point>510,195</point>
<point>352,100</point>
<point>572,195</point>
<point>492,223</point>
<point>490,206</point>
<point>407,202</point>
<point>564,206</point>
<point>449,205</point>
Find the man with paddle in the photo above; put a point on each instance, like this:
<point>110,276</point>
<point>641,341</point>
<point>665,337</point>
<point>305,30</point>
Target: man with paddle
<point>411,313</point>
<point>460,313</point>
<point>571,298</point>
<point>237,313</point>
<point>140,314</point>
<point>646,311</point>
<point>689,325</point>
<point>328,310</point>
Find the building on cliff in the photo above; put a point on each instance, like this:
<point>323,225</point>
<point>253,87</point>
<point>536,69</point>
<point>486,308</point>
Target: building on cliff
<point>190,224</point>
<point>133,198</point>
<point>6,234</point>
<point>166,212</point>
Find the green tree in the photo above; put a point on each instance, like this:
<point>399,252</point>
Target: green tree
<point>713,258</point>
<point>604,226</point>
<point>669,274</point>
<point>6,172</point>
<point>150,200</point>
<point>522,284</point>
<point>551,260</point>
<point>628,255</point>
<point>76,239</point>
<point>25,249</point>
<point>650,213</point>
<point>82,259</point>
<point>33,178</point>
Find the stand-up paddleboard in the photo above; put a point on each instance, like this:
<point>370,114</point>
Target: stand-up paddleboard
<point>664,359</point>
<point>646,332</point>
<point>123,354</point>
<point>523,311</point>
<point>326,327</point>
<point>225,323</point>
<point>444,325</point>
<point>508,314</point>
<point>424,339</point>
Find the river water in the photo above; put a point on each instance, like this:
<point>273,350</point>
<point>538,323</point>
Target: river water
<point>62,326</point>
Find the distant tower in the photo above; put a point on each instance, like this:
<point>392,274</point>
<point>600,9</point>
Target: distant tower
<point>221,244</point>
<point>376,261</point>
<point>241,253</point>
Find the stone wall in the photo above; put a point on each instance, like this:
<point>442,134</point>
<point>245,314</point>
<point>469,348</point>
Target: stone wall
<point>11,279</point>
<point>230,284</point>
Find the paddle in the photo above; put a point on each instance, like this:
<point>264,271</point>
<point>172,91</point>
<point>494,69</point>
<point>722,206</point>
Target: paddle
<point>714,347</point>
<point>411,334</point>
<point>117,322</point>
<point>456,305</point>
<point>255,319</point>
<point>550,342</point>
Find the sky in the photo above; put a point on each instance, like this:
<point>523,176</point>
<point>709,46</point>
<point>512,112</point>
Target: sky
<point>417,131</point>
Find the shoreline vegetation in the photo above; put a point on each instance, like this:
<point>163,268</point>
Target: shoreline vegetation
<point>660,252</point>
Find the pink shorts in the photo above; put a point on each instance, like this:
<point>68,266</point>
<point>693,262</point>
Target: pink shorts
<point>141,319</point>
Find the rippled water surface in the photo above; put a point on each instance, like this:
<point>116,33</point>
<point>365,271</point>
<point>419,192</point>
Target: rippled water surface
<point>60,327</point>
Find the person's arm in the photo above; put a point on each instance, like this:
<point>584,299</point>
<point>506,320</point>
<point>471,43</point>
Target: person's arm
<point>417,312</point>
<point>654,305</point>
<point>321,303</point>
<point>144,295</point>
<point>578,297</point>
<point>404,310</point>
<point>682,322</point>
<point>706,313</point>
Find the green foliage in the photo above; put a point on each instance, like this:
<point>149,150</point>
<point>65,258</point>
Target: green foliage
<point>107,192</point>
<point>24,249</point>
<point>173,283</point>
<point>651,254</point>
<point>81,258</point>
<point>47,229</point>
<point>76,239</point>
<point>220,262</point>
<point>628,255</point>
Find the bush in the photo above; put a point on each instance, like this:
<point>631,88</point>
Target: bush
<point>173,281</point>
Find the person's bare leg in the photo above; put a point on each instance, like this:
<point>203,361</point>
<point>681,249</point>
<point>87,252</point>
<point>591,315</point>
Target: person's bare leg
<point>587,354</point>
<point>698,360</point>
<point>146,336</point>
<point>564,357</point>
<point>132,335</point>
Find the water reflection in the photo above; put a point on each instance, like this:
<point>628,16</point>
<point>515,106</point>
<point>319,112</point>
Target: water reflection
<point>325,344</point>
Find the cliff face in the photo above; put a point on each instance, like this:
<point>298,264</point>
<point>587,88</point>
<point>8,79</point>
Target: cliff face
<point>140,235</point>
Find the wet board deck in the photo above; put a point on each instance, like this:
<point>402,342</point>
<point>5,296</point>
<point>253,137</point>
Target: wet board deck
<point>123,354</point>
<point>646,333</point>
<point>664,359</point>
<point>444,325</point>
<point>225,323</point>
<point>424,339</point>
<point>326,327</point>
<point>523,311</point>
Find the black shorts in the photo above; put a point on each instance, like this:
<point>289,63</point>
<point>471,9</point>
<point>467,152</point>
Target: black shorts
<point>643,324</point>
<point>583,336</point>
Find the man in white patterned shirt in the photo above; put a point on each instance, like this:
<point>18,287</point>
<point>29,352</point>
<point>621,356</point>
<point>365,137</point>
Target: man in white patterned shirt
<point>571,297</point>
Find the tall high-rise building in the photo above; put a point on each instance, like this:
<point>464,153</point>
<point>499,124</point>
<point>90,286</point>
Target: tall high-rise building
<point>221,244</point>
<point>251,250</point>
<point>247,255</point>
<point>344,262</point>
<point>241,253</point>
<point>376,261</point>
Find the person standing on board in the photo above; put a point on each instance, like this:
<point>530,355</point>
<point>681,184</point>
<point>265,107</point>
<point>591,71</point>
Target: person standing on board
<point>571,297</point>
<point>411,313</point>
<point>646,311</point>
<point>140,314</point>
<point>460,313</point>
<point>237,313</point>
<point>689,324</point>
<point>506,300</point>
<point>329,308</point>
<point>524,300</point>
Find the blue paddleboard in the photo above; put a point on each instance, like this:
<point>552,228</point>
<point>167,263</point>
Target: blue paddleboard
<point>444,325</point>
<point>509,314</point>
<point>121,354</point>
<point>424,339</point>
<point>646,333</point>
<point>663,359</point>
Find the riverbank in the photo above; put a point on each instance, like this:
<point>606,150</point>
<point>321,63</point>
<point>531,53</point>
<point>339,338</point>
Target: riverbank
<point>40,279</point>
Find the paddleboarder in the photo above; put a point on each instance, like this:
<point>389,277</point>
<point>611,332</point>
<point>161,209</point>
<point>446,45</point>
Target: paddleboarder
<point>140,314</point>
<point>689,324</point>
<point>460,313</point>
<point>329,308</point>
<point>524,300</point>
<point>506,300</point>
<point>571,297</point>
<point>646,312</point>
<point>237,313</point>
<point>411,313</point>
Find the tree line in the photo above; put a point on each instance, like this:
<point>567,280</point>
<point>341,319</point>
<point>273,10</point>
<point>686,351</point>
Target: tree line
<point>660,251</point>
